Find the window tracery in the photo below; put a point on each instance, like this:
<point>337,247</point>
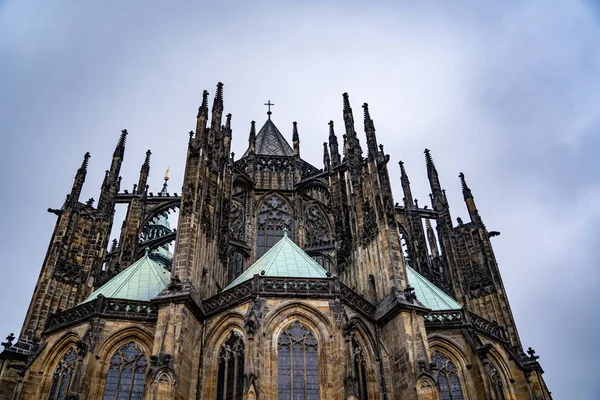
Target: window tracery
<point>317,230</point>
<point>447,378</point>
<point>497,384</point>
<point>230,369</point>
<point>274,216</point>
<point>126,374</point>
<point>237,221</point>
<point>63,376</point>
<point>298,377</point>
<point>360,371</point>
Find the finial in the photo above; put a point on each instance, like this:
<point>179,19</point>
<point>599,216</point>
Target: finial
<point>167,174</point>
<point>367,115</point>
<point>114,245</point>
<point>120,148</point>
<point>86,159</point>
<point>147,160</point>
<point>219,94</point>
<point>228,122</point>
<point>203,109</point>
<point>295,131</point>
<point>346,102</point>
<point>285,232</point>
<point>331,131</point>
<point>465,189</point>
<point>428,158</point>
<point>269,104</point>
<point>147,251</point>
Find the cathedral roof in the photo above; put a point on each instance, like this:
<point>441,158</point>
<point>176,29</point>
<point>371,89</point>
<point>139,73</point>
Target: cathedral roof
<point>270,142</point>
<point>142,280</point>
<point>430,295</point>
<point>285,259</point>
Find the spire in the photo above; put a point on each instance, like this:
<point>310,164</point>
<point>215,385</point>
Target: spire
<point>295,139</point>
<point>370,133</point>
<point>217,109</point>
<point>432,174</point>
<point>252,138</point>
<point>120,148</point>
<point>469,200</point>
<point>269,104</point>
<point>112,181</point>
<point>408,198</point>
<point>333,145</point>
<point>435,252</point>
<point>145,170</point>
<point>202,117</point>
<point>438,196</point>
<point>228,125</point>
<point>354,149</point>
<point>164,191</point>
<point>80,178</point>
<point>326,159</point>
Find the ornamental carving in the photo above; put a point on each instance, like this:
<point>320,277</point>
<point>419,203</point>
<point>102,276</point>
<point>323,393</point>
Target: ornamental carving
<point>67,272</point>
<point>237,221</point>
<point>369,231</point>
<point>317,230</point>
<point>275,214</point>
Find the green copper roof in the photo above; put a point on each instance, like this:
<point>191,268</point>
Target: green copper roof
<point>430,295</point>
<point>143,280</point>
<point>283,259</point>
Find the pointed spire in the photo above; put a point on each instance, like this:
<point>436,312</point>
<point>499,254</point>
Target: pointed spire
<point>326,159</point>
<point>432,174</point>
<point>120,148</point>
<point>295,139</point>
<point>228,125</point>
<point>252,138</point>
<point>164,190</point>
<point>408,198</point>
<point>217,109</point>
<point>469,200</point>
<point>354,150</point>
<point>435,252</point>
<point>465,189</point>
<point>333,145</point>
<point>146,164</point>
<point>203,109</point>
<point>80,178</point>
<point>438,196</point>
<point>370,133</point>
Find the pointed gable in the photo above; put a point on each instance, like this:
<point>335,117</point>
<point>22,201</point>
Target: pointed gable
<point>270,142</point>
<point>143,280</point>
<point>430,295</point>
<point>284,259</point>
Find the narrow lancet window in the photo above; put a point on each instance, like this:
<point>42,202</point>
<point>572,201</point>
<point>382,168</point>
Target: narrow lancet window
<point>230,369</point>
<point>360,371</point>
<point>63,376</point>
<point>447,378</point>
<point>297,364</point>
<point>126,374</point>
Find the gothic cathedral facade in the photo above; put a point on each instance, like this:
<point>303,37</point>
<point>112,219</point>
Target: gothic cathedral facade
<point>287,281</point>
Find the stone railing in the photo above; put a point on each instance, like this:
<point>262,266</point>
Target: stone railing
<point>488,328</point>
<point>103,307</point>
<point>445,318</point>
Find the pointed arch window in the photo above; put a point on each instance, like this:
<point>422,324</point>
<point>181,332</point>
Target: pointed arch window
<point>497,384</point>
<point>230,369</point>
<point>298,372</point>
<point>447,378</point>
<point>126,374</point>
<point>236,266</point>
<point>63,376</point>
<point>274,216</point>
<point>360,370</point>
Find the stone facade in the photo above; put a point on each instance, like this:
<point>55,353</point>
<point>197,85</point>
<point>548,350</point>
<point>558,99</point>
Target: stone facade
<point>366,335</point>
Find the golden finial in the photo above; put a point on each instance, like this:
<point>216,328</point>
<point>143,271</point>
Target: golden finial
<point>167,174</point>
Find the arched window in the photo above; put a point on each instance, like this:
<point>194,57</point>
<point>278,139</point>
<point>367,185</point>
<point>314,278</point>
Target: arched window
<point>360,371</point>
<point>230,369</point>
<point>497,384</point>
<point>236,266</point>
<point>447,378</point>
<point>274,216</point>
<point>63,375</point>
<point>317,230</point>
<point>297,364</point>
<point>126,374</point>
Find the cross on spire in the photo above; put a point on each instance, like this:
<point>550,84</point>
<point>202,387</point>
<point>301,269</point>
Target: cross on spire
<point>269,104</point>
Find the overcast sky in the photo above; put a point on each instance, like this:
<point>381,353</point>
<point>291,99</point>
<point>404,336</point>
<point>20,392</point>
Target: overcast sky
<point>507,92</point>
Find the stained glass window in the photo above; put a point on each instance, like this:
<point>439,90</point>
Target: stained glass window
<point>63,375</point>
<point>274,216</point>
<point>126,374</point>
<point>230,369</point>
<point>236,266</point>
<point>447,378</point>
<point>360,371</point>
<point>497,385</point>
<point>297,364</point>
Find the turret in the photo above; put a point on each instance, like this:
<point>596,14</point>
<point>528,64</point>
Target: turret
<point>79,179</point>
<point>144,171</point>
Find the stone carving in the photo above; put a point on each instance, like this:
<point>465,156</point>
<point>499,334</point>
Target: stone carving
<point>275,215</point>
<point>254,315</point>
<point>237,221</point>
<point>9,341</point>
<point>317,230</point>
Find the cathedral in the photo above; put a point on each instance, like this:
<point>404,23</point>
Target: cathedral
<point>287,281</point>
